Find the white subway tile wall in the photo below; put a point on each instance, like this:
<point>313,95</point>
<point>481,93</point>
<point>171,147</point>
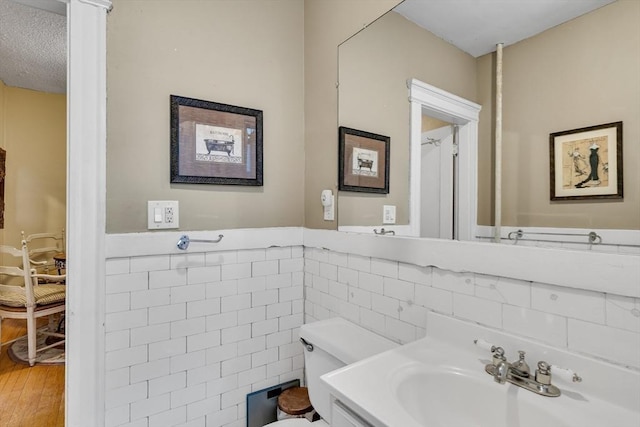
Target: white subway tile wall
<point>190,335</point>
<point>392,299</point>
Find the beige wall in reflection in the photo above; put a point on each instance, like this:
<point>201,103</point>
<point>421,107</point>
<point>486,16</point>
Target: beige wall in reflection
<point>579,74</point>
<point>328,23</point>
<point>374,67</point>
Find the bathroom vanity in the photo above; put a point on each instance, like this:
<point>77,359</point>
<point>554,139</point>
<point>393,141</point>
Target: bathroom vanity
<point>441,380</point>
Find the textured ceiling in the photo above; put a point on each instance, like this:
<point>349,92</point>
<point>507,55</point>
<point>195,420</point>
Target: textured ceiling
<point>33,48</point>
<point>477,26</point>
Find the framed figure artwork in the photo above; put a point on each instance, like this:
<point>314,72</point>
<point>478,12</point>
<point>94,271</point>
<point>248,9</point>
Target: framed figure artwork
<point>363,161</point>
<point>586,163</point>
<point>213,143</point>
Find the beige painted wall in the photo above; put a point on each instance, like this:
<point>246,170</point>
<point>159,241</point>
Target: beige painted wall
<point>33,128</point>
<point>244,53</point>
<point>294,45</point>
<point>374,67</point>
<point>582,73</point>
<point>327,24</point>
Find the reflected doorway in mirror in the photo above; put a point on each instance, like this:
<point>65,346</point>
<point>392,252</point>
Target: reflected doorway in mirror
<point>428,100</point>
<point>437,181</point>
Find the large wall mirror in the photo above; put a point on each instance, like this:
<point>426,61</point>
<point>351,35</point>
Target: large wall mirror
<point>376,67</point>
<point>566,77</point>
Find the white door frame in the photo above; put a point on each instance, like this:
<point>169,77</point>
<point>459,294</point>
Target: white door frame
<point>86,212</point>
<point>440,104</point>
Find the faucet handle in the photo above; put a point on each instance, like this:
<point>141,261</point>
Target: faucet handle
<point>543,367</point>
<point>543,375</point>
<point>498,356</point>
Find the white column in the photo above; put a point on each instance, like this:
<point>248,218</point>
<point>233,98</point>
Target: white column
<point>86,189</point>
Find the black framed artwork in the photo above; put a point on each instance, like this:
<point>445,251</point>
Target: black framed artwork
<point>586,163</point>
<point>363,161</point>
<point>213,143</point>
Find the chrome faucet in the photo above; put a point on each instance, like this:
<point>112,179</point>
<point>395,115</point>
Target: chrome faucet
<point>518,373</point>
<point>503,369</point>
<point>500,366</point>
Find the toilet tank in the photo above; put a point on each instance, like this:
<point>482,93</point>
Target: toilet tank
<point>336,343</point>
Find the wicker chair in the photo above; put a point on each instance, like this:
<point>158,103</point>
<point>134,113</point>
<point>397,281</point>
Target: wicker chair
<point>29,300</point>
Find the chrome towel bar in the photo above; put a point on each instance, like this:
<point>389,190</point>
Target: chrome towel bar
<point>592,236</point>
<point>183,242</point>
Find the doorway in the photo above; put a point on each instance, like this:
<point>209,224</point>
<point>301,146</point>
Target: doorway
<point>437,182</point>
<point>33,108</point>
<point>428,100</point>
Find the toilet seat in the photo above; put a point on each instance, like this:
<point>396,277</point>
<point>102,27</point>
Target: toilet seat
<point>298,422</point>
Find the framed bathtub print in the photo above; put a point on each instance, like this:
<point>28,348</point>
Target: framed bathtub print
<point>213,143</point>
<point>363,161</point>
<point>586,163</point>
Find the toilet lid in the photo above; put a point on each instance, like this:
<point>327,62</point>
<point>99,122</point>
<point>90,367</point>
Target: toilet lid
<point>295,401</point>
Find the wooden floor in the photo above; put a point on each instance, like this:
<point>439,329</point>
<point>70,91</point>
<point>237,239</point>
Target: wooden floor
<point>29,396</point>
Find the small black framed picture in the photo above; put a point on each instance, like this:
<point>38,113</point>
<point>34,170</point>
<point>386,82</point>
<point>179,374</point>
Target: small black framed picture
<point>363,161</point>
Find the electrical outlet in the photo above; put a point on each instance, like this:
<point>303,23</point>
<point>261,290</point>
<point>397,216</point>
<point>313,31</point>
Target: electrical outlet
<point>162,214</point>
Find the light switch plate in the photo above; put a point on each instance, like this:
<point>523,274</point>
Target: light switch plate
<point>388,214</point>
<point>329,211</point>
<point>162,214</point>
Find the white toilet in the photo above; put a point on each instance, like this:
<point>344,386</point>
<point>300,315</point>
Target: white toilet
<point>329,345</point>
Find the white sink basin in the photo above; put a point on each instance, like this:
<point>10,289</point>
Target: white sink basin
<point>440,381</point>
<point>452,397</point>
